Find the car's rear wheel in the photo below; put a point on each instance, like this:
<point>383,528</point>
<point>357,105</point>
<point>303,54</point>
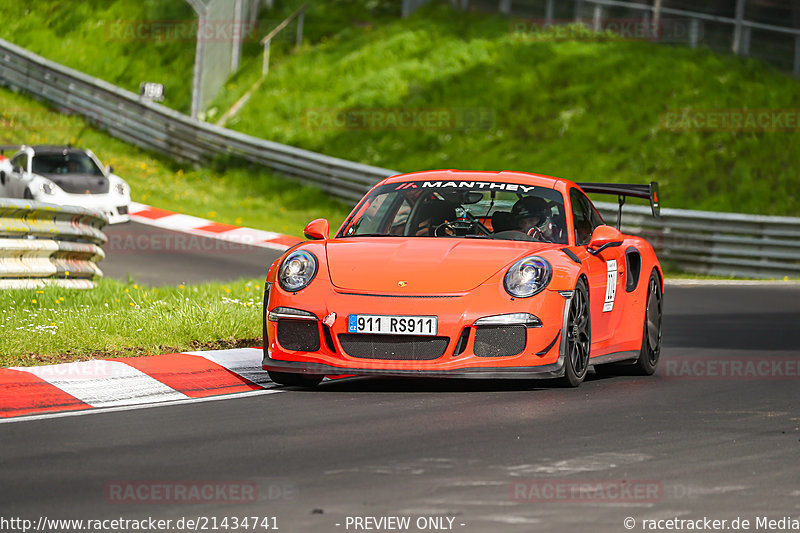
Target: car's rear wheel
<point>578,337</point>
<point>295,380</point>
<point>650,351</point>
<point>28,195</point>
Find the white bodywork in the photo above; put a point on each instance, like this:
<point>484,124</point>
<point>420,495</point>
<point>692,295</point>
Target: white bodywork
<point>18,180</point>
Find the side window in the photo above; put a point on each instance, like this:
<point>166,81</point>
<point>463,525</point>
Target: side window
<point>584,217</point>
<point>366,220</point>
<point>400,218</point>
<point>21,161</point>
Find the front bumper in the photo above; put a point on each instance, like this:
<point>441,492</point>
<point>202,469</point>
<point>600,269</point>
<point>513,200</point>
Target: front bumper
<point>113,206</point>
<point>542,357</point>
<point>553,370</point>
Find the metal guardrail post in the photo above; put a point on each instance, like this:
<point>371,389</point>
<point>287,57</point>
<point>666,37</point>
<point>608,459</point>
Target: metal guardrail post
<point>505,7</point>
<point>796,70</point>
<point>597,17</point>
<point>736,47</point>
<point>300,21</point>
<point>548,12</point>
<point>267,40</point>
<point>746,32</point>
<point>694,32</point>
<point>656,15</point>
<point>265,62</point>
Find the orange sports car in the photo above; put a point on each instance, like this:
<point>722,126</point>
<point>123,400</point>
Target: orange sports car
<point>464,274</point>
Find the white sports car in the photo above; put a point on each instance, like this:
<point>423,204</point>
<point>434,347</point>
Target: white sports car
<point>65,175</point>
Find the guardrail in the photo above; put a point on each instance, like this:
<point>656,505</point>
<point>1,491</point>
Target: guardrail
<point>713,243</point>
<point>725,244</point>
<point>43,244</point>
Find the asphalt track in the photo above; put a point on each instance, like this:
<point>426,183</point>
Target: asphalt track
<point>699,445</point>
<point>162,257</point>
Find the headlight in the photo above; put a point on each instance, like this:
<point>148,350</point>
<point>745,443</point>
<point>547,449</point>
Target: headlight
<point>120,189</point>
<point>527,277</point>
<point>48,188</point>
<point>297,271</point>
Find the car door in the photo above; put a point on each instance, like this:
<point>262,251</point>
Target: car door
<point>606,269</point>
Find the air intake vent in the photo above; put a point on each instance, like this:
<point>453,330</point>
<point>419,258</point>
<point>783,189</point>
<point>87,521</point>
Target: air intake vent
<point>394,347</point>
<point>499,341</point>
<point>298,335</point>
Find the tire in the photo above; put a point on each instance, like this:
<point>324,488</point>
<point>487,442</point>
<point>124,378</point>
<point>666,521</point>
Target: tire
<point>650,351</point>
<point>578,338</point>
<point>295,380</point>
<point>27,195</point>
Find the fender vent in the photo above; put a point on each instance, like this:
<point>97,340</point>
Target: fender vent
<point>633,264</point>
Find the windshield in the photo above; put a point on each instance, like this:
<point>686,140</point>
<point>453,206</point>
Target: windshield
<point>65,164</point>
<point>489,210</point>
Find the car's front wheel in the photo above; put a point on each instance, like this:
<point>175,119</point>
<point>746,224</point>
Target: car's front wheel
<point>578,337</point>
<point>295,380</point>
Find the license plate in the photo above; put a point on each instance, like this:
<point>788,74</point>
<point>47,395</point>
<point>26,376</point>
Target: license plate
<point>392,325</point>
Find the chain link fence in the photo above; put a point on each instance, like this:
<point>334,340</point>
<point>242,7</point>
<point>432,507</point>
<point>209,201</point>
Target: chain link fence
<point>768,30</point>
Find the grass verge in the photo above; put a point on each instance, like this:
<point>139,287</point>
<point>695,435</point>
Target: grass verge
<point>117,319</point>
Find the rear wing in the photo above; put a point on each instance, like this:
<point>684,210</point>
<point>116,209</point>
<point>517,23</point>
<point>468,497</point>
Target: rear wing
<point>623,190</point>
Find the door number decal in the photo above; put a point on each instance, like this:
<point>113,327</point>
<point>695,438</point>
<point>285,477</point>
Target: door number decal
<point>611,285</point>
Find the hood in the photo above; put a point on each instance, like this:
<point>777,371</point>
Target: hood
<point>426,265</point>
<point>80,183</point>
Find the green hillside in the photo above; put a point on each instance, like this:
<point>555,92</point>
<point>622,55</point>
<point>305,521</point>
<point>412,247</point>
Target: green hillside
<point>589,108</point>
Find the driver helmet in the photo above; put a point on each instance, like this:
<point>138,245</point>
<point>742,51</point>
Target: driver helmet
<point>530,207</point>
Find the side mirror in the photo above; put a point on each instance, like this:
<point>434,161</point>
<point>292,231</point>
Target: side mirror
<point>317,230</point>
<point>17,169</point>
<point>110,169</point>
<point>604,237</point>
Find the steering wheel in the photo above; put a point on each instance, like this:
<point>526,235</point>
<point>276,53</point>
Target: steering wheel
<point>462,226</point>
